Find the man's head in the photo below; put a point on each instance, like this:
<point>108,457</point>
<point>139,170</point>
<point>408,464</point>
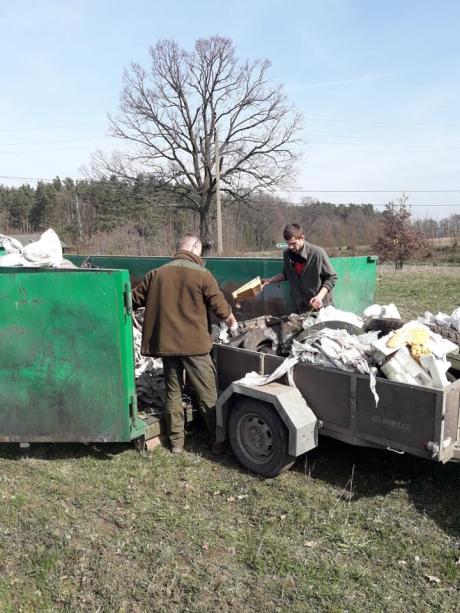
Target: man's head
<point>294,237</point>
<point>190,242</point>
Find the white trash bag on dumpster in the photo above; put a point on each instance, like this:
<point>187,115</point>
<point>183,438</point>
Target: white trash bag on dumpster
<point>47,251</point>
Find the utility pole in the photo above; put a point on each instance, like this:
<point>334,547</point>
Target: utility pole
<point>218,203</point>
<point>77,209</point>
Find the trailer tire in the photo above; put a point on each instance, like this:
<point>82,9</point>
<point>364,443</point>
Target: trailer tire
<point>258,437</point>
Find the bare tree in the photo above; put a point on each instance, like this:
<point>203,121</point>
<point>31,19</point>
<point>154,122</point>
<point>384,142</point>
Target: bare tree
<point>309,214</point>
<point>172,113</point>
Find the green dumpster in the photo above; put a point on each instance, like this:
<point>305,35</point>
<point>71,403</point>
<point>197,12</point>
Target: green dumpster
<point>66,356</point>
<point>354,291</point>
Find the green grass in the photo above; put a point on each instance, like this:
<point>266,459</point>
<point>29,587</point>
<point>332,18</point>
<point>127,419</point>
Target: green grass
<point>415,290</point>
<point>347,529</point>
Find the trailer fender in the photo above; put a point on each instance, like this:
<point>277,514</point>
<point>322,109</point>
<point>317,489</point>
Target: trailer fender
<point>287,401</point>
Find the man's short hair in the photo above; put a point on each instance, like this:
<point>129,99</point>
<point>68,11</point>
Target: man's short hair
<point>187,242</point>
<point>292,230</point>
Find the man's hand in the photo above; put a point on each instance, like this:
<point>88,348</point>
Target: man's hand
<point>265,282</point>
<point>276,279</point>
<point>316,302</point>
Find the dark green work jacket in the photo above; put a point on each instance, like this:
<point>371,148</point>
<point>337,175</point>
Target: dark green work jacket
<point>318,273</point>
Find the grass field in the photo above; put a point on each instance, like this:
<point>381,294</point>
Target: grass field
<point>103,528</point>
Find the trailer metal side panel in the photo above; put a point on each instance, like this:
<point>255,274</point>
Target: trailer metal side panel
<point>66,356</point>
<point>417,420</point>
<point>233,365</point>
<point>406,418</point>
<point>354,291</point>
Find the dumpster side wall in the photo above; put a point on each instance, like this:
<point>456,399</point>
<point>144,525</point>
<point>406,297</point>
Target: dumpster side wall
<point>354,291</point>
<point>66,357</point>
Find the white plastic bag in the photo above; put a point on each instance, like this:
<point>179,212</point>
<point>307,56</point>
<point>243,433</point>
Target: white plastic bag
<point>387,311</point>
<point>330,313</point>
<point>11,259</point>
<point>47,251</point>
<point>10,244</point>
<point>455,319</point>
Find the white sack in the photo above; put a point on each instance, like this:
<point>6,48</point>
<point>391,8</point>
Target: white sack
<point>10,244</point>
<point>330,313</point>
<point>47,251</point>
<point>455,319</point>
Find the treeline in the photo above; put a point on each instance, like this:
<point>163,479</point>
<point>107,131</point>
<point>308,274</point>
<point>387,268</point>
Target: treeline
<point>109,216</point>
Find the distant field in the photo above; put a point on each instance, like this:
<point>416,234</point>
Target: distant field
<point>103,528</point>
<point>417,289</point>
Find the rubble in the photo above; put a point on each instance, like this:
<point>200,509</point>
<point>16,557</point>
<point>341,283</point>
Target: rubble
<point>148,371</point>
<point>411,353</point>
<point>442,319</point>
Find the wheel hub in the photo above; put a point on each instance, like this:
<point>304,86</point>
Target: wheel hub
<point>256,438</point>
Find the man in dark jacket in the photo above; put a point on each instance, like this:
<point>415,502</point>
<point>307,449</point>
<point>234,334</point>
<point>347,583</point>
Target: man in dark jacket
<point>178,298</point>
<point>308,270</point>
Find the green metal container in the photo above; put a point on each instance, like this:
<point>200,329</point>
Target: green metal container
<point>2,251</point>
<point>354,291</point>
<point>66,356</point>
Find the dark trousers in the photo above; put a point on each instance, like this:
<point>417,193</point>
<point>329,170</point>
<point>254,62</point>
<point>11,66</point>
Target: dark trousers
<point>201,373</point>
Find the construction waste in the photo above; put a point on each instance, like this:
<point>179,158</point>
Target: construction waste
<point>44,253</point>
<point>327,347</point>
<point>442,319</point>
<point>411,353</point>
<point>148,371</point>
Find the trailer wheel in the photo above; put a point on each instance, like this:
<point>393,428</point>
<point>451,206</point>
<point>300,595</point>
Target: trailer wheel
<point>259,438</point>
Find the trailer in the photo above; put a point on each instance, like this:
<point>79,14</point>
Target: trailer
<point>269,426</point>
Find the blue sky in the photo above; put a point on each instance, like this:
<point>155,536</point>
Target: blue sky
<point>377,82</point>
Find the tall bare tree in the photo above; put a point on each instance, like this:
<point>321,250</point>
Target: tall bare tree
<point>172,112</point>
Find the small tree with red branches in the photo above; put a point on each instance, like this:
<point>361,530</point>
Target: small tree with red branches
<point>399,239</point>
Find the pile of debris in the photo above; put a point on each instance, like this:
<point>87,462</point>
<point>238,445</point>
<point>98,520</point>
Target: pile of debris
<point>377,344</point>
<point>150,383</point>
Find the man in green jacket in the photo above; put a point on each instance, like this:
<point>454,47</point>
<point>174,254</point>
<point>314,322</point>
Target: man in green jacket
<point>308,270</point>
<point>178,298</point>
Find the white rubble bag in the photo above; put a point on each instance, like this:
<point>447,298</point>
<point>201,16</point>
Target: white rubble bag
<point>46,252</point>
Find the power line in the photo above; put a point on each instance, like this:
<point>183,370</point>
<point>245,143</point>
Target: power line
<point>74,125</point>
<point>383,123</point>
<point>48,142</point>
<point>308,191</point>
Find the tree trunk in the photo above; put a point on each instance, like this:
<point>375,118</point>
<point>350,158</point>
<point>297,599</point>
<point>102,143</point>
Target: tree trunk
<point>205,231</point>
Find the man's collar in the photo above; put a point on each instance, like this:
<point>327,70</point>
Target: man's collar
<point>182,254</point>
<point>305,250</point>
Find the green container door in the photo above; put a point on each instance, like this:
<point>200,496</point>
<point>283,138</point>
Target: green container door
<point>66,356</point>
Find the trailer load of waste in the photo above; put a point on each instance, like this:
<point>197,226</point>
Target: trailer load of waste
<point>378,344</point>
